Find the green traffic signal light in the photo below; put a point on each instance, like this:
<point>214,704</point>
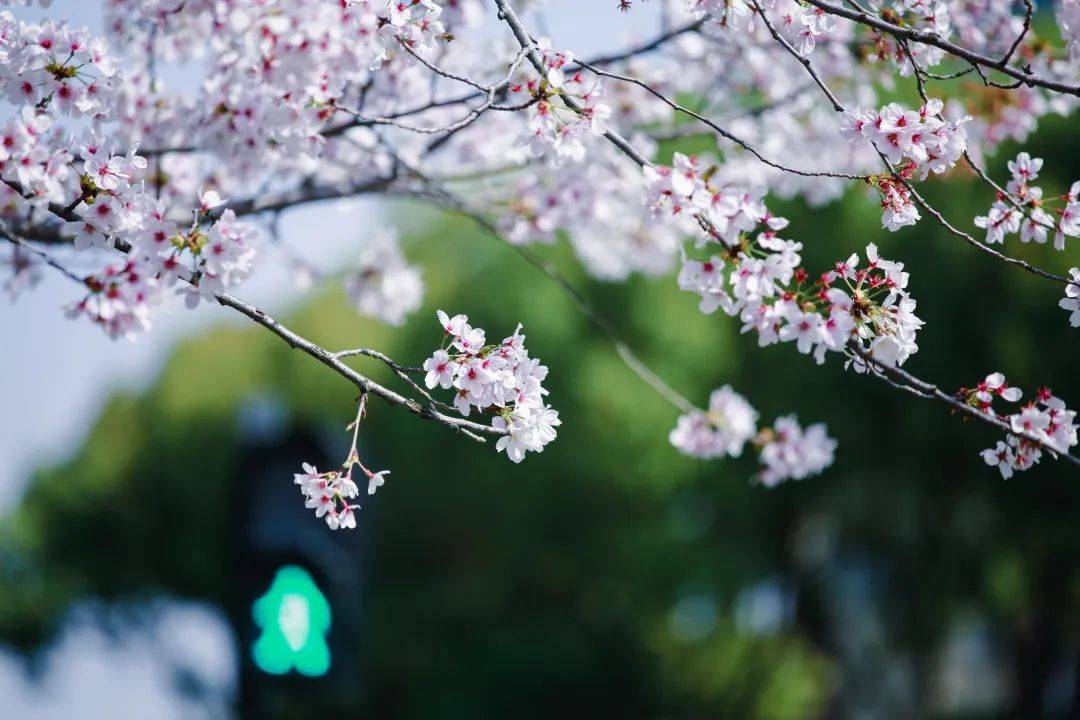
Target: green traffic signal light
<point>294,617</point>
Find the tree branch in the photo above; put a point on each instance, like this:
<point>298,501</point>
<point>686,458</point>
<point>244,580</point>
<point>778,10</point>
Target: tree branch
<point>927,38</point>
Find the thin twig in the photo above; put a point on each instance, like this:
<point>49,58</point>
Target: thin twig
<point>930,391</point>
<point>803,60</point>
<point>43,256</point>
<point>400,371</point>
<point>720,130</point>
<point>465,427</point>
<point>1029,9</point>
<point>294,340</point>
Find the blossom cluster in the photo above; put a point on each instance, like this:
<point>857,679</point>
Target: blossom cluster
<point>211,255</point>
<point>49,69</point>
<point>1044,423</point>
<point>328,494</point>
<point>553,123</point>
<point>113,203</point>
<point>757,275</point>
<point>883,310</point>
<point>120,298</point>
<point>223,257</point>
<point>686,191</point>
<point>897,207</point>
<point>1022,208</point>
<point>737,21</point>
<point>33,157</point>
<point>53,64</point>
<point>790,452</point>
<point>385,285</point>
<point>786,450</point>
<point>499,379</point>
<point>1068,17</point>
<point>613,234</point>
<point>923,138</point>
<point>1071,302</point>
<point>724,429</point>
<point>922,135</point>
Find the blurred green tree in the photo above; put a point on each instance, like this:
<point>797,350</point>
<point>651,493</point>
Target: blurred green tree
<point>610,575</point>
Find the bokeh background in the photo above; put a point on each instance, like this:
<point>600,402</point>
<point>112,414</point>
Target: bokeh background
<point>607,576</point>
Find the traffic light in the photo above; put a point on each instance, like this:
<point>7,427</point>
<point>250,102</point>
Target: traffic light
<point>297,586</point>
<point>294,619</point>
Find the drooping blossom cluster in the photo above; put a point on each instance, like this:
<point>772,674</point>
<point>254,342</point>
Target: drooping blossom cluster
<point>553,124</point>
<point>1071,302</point>
<point>1043,423</point>
<point>927,142</point>
<point>120,298</point>
<point>501,380</point>
<point>385,285</point>
<point>786,450</point>
<point>1022,208</point>
<point>329,493</point>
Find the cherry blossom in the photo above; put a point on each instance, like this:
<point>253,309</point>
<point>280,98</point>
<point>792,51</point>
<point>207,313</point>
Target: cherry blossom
<point>1071,302</point>
<point>724,429</point>
<point>1042,424</point>
<point>24,272</point>
<point>501,380</point>
<point>162,191</point>
<point>766,288</point>
<point>564,110</point>
<point>385,285</point>
<point>1021,208</point>
<point>786,451</point>
<point>790,452</point>
<point>328,493</point>
<point>1068,17</point>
